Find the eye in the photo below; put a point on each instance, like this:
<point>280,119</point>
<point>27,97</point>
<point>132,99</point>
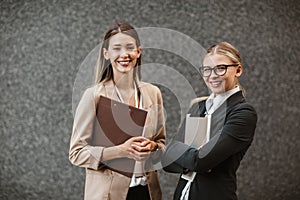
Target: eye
<point>205,69</point>
<point>116,49</point>
<point>130,47</point>
<point>221,68</point>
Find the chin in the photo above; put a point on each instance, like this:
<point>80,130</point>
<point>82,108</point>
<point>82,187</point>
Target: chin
<point>217,91</point>
<point>124,69</point>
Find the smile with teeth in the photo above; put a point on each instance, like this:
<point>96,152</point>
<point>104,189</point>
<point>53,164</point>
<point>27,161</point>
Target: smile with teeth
<point>124,62</point>
<point>215,83</point>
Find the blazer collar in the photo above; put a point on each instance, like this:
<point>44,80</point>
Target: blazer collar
<point>235,99</point>
<point>229,103</point>
<point>147,99</point>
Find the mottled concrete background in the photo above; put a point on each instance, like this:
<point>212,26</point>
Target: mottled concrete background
<point>43,44</point>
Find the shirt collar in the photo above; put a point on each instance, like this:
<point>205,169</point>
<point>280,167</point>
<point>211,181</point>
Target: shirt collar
<point>213,102</point>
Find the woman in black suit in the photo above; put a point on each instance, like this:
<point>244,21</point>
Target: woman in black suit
<point>233,123</point>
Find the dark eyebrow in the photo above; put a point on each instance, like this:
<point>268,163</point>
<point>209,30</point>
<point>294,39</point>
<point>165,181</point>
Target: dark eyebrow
<point>119,45</point>
<point>215,65</point>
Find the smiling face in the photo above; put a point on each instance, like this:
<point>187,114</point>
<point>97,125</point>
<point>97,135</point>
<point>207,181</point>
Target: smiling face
<point>219,84</point>
<point>122,53</point>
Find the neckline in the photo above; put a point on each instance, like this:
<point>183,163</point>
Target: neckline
<point>135,95</point>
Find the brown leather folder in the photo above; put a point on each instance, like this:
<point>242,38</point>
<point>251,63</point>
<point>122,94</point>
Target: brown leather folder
<point>115,123</point>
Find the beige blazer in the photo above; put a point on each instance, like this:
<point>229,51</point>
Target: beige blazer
<point>102,183</point>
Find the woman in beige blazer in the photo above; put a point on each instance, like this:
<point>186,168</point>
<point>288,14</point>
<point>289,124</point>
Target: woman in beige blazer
<point>118,78</point>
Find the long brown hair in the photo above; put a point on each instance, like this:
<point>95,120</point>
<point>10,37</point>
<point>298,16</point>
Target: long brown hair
<point>104,71</point>
<point>228,50</point>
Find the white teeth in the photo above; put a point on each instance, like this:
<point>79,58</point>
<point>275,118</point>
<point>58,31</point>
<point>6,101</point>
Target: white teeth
<point>124,62</point>
<point>216,83</point>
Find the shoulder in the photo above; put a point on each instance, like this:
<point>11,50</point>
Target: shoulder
<point>241,122</point>
<point>244,107</point>
<point>93,92</point>
<point>243,113</point>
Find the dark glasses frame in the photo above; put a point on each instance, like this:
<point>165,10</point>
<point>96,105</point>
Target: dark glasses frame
<point>219,70</point>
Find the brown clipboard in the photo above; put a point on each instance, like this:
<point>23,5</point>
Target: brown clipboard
<point>115,123</point>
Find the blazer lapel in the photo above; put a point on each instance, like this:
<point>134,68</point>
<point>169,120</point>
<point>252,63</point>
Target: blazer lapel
<point>219,116</point>
<point>147,103</point>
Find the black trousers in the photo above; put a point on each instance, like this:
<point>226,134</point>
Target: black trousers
<point>138,192</point>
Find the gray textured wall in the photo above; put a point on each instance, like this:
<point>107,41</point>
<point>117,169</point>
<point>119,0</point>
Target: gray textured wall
<point>43,43</point>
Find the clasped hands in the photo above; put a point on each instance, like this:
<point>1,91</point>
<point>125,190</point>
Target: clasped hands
<point>138,148</point>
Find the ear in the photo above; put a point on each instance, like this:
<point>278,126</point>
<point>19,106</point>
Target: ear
<point>139,51</point>
<point>105,54</point>
<point>239,71</point>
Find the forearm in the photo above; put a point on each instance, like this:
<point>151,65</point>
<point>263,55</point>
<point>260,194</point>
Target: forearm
<point>172,157</point>
<point>113,152</point>
<point>159,143</point>
<point>85,155</point>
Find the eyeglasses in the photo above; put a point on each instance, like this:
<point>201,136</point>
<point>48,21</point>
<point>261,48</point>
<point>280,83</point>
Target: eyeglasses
<point>219,70</point>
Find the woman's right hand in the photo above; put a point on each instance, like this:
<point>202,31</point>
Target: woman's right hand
<point>129,149</point>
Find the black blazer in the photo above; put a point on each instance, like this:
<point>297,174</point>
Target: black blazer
<point>232,130</point>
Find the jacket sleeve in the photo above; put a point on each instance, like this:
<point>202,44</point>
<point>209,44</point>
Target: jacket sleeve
<point>160,133</point>
<point>235,136</point>
<point>160,136</point>
<point>81,153</point>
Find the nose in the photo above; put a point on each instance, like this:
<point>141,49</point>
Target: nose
<point>213,74</point>
<point>124,53</point>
